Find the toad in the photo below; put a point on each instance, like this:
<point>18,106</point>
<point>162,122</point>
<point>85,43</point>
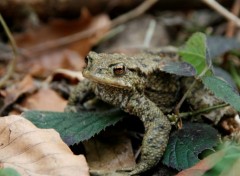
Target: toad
<point>138,86</point>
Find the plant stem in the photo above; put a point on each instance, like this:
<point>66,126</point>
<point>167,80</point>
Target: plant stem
<point>185,114</point>
<point>12,64</point>
<point>176,109</point>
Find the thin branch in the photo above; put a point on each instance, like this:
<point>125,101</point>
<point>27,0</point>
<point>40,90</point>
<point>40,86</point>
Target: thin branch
<point>133,13</point>
<point>12,64</point>
<point>224,12</point>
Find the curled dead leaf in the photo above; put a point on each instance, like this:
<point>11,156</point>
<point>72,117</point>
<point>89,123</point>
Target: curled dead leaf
<point>12,93</point>
<point>71,76</point>
<point>33,151</point>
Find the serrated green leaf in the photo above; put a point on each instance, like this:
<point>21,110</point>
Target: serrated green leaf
<point>179,68</point>
<point>185,144</point>
<point>8,172</point>
<point>75,127</point>
<point>222,90</point>
<point>195,52</point>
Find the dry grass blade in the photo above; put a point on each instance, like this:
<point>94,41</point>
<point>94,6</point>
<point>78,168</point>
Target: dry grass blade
<point>12,64</point>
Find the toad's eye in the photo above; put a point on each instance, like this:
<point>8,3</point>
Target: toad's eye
<point>119,69</point>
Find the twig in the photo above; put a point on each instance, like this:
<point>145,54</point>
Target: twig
<point>12,64</point>
<point>133,13</point>
<point>224,12</point>
<point>231,25</point>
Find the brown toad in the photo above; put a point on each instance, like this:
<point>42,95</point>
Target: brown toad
<point>137,85</point>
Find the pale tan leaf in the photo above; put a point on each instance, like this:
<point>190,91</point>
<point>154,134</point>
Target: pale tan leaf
<point>33,151</point>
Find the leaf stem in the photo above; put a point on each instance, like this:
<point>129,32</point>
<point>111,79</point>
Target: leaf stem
<point>185,114</point>
<point>11,66</point>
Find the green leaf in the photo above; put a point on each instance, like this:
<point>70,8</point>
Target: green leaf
<point>222,90</point>
<point>179,68</point>
<point>185,144</point>
<point>8,172</point>
<point>75,127</point>
<point>195,52</point>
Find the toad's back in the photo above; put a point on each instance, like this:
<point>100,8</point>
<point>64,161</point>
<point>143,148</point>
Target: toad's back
<point>160,87</point>
<point>163,89</point>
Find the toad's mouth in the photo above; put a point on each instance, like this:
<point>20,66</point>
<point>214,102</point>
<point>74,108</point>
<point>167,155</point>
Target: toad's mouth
<point>103,80</point>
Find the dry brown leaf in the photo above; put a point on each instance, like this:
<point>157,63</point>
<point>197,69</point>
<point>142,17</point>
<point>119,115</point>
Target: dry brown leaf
<point>12,93</point>
<point>33,151</point>
<point>60,44</point>
<point>46,100</point>
<point>110,154</point>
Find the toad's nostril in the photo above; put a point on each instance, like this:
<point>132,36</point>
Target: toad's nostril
<point>99,70</point>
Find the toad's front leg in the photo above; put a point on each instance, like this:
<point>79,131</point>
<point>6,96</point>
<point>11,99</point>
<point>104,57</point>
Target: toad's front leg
<point>81,93</point>
<point>157,128</point>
